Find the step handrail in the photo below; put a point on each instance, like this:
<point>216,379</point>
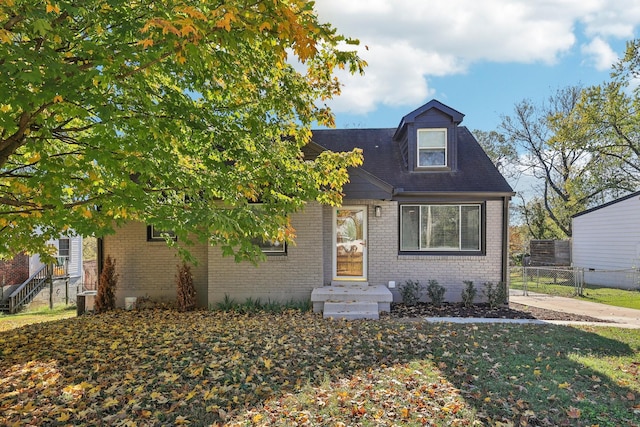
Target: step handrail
<point>22,292</point>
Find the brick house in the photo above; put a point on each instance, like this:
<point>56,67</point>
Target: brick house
<point>15,270</point>
<point>426,204</point>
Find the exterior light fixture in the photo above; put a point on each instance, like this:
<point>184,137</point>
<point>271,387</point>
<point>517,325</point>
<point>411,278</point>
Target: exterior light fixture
<point>378,211</point>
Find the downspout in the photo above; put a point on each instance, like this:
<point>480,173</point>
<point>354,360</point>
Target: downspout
<point>100,255</point>
<point>505,241</point>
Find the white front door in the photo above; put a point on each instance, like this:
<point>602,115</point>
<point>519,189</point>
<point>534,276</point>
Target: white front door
<point>350,243</point>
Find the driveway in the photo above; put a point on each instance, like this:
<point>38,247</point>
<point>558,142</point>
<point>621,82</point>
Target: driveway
<point>616,316</point>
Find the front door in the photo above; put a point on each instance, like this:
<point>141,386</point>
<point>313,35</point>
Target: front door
<point>350,243</point>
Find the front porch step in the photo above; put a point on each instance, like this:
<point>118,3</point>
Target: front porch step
<point>351,310</point>
<point>355,298</point>
<point>348,283</point>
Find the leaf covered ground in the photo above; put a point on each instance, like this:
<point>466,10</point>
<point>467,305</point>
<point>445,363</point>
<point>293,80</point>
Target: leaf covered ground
<point>160,367</point>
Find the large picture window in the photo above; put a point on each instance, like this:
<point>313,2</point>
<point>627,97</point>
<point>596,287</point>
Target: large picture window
<point>449,228</point>
<point>432,147</point>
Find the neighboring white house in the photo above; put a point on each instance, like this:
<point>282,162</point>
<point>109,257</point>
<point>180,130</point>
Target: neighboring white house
<point>70,249</point>
<point>25,276</point>
<point>67,287</point>
<point>606,243</point>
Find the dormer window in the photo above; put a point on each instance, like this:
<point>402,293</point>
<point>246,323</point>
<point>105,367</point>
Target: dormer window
<point>432,148</point>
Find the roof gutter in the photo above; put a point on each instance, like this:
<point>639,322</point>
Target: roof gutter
<point>457,194</point>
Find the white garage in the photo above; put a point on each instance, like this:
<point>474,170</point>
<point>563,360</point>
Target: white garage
<point>606,243</point>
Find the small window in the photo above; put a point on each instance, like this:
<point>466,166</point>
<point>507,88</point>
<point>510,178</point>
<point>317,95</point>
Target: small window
<point>432,147</point>
<point>440,228</point>
<point>64,248</point>
<point>156,234</point>
<point>274,247</point>
<point>269,246</point>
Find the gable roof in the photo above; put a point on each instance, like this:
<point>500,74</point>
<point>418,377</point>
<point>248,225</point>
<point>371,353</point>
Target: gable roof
<point>613,202</point>
<point>456,116</point>
<point>382,160</point>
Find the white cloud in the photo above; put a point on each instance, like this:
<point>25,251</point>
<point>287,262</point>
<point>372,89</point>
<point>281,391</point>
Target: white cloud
<point>412,40</point>
<point>612,18</point>
<point>600,54</point>
<point>395,76</point>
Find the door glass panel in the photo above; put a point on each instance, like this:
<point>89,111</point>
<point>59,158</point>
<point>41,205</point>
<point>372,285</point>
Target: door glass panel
<point>350,242</point>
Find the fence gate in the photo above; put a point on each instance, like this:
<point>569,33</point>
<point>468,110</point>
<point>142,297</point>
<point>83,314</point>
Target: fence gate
<point>568,281</point>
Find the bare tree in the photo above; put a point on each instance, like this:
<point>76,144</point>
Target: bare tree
<point>552,144</point>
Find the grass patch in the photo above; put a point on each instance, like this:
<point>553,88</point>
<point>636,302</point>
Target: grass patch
<point>593,293</point>
<point>616,297</point>
<point>160,367</point>
<point>42,314</point>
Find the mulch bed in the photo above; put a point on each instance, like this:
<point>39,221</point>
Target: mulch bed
<point>513,311</point>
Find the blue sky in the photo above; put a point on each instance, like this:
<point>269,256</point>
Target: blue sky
<point>480,57</point>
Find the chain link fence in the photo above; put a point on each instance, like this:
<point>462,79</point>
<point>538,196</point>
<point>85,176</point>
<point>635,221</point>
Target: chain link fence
<point>565,281</point>
<point>613,285</point>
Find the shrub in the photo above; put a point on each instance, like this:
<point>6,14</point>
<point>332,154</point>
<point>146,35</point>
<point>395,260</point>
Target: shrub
<point>185,289</point>
<point>228,304</point>
<point>496,293</point>
<point>411,292</point>
<point>436,293</point>
<point>468,293</point>
<point>250,306</point>
<point>106,297</point>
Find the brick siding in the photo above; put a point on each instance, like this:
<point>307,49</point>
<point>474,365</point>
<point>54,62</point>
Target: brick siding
<point>14,271</point>
<point>279,278</point>
<point>386,264</point>
<point>148,269</point>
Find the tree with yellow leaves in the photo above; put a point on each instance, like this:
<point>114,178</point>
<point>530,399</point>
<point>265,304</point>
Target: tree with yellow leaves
<point>178,113</point>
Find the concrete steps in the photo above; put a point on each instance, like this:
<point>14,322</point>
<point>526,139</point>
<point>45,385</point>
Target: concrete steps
<point>348,300</point>
<point>351,310</point>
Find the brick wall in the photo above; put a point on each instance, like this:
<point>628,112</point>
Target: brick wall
<point>148,269</point>
<point>279,278</point>
<point>385,264</point>
<point>14,271</point>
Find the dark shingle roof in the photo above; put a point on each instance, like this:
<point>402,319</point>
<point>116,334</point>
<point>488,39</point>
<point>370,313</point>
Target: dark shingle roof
<point>382,158</point>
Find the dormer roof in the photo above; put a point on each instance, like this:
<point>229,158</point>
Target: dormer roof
<point>386,174</point>
<point>456,116</point>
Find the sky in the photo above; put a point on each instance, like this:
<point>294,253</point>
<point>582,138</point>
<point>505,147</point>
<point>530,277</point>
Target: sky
<point>480,57</point>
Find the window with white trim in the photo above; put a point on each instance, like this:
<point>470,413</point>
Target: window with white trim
<point>432,148</point>
<point>64,248</point>
<point>446,228</point>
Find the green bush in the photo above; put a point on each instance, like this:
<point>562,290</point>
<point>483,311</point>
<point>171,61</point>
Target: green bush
<point>411,292</point>
<point>468,293</point>
<point>436,293</point>
<point>496,293</point>
<point>252,306</point>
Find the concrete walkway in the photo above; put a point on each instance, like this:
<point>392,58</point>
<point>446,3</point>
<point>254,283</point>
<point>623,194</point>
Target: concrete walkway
<point>612,316</point>
<point>615,316</point>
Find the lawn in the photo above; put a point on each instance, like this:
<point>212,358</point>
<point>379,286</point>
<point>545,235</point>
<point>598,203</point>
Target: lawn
<point>35,316</point>
<point>593,293</point>
<point>154,367</point>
